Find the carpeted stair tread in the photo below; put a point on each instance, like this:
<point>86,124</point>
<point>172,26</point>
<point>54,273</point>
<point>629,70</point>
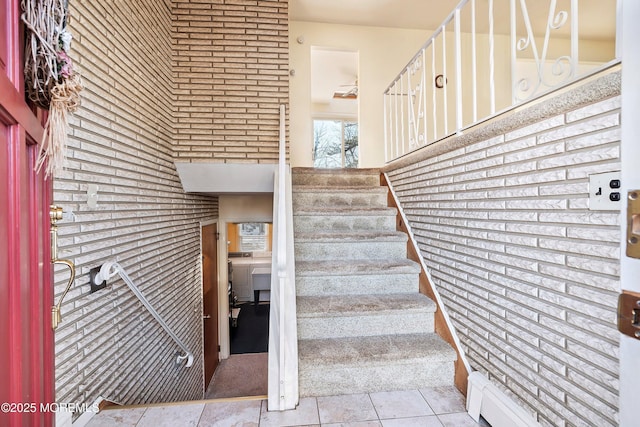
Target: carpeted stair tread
<point>356,267</point>
<point>333,171</point>
<point>374,350</point>
<point>336,177</point>
<point>362,324</point>
<point>357,235</point>
<point>337,189</point>
<point>363,305</point>
<point>346,211</point>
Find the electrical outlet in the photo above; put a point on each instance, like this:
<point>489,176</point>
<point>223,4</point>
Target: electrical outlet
<point>604,191</point>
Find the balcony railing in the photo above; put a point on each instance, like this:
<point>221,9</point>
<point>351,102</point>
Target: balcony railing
<point>487,57</point>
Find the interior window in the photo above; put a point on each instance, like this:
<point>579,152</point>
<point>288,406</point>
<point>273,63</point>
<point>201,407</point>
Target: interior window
<point>335,144</point>
<point>246,237</point>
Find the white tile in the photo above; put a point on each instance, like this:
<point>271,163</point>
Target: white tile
<point>430,421</point>
<point>400,404</point>
<point>355,424</point>
<point>238,413</point>
<point>116,417</point>
<point>173,415</point>
<point>444,400</point>
<point>461,419</point>
<point>347,408</point>
<point>306,413</point>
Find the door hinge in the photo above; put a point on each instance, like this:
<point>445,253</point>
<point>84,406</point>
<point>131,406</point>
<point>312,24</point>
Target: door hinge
<point>218,348</point>
<point>629,314</point>
<point>217,236</point>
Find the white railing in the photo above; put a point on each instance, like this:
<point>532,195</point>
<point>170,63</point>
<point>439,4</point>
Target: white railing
<point>110,269</point>
<point>485,58</point>
<point>283,335</point>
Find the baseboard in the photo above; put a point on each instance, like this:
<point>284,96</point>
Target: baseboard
<point>484,398</point>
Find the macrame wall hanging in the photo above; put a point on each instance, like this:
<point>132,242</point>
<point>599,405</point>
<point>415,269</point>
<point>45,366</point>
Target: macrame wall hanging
<point>50,80</point>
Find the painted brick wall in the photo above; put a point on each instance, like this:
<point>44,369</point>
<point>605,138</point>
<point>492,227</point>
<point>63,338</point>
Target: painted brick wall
<point>121,140</point>
<point>528,273</point>
<point>231,72</point>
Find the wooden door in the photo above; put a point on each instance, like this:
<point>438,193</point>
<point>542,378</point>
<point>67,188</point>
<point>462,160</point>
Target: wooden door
<point>26,290</point>
<point>210,303</point>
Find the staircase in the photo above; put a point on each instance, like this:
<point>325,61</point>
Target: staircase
<point>362,324</point>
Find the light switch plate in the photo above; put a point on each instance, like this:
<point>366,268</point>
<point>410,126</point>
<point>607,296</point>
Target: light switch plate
<point>604,192</point>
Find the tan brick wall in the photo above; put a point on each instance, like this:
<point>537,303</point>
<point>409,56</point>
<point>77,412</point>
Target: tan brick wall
<point>231,60</point>
<point>121,140</point>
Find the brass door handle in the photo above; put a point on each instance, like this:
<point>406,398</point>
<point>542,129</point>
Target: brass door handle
<point>629,314</point>
<point>55,214</point>
<point>633,224</point>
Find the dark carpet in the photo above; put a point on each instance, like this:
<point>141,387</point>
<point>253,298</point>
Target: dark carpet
<point>252,333</point>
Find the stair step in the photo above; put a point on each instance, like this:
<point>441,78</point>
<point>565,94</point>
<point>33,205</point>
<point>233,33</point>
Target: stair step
<point>336,177</point>
<point>364,315</point>
<point>319,189</point>
<point>363,305</point>
<point>362,324</point>
<point>383,219</point>
<point>355,245</point>
<point>356,267</point>
<point>363,277</point>
<point>372,364</point>
<point>305,196</point>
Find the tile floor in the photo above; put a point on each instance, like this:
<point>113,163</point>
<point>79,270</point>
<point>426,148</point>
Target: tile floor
<point>428,407</point>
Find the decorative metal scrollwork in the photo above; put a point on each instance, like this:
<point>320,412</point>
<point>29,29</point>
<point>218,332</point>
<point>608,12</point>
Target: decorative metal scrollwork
<point>549,72</point>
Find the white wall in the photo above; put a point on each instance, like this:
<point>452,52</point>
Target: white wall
<point>383,52</point>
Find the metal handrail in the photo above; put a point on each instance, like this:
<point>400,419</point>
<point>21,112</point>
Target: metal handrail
<point>110,269</point>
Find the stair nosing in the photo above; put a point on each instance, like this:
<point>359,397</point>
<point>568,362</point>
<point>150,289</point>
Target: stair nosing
<point>301,188</point>
<point>345,267</point>
<point>351,305</point>
<point>335,171</point>
<point>445,353</point>
<point>351,236</point>
<point>346,211</point>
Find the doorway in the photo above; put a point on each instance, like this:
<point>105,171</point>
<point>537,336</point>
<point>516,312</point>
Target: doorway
<point>248,270</point>
<point>334,107</point>
<point>209,235</point>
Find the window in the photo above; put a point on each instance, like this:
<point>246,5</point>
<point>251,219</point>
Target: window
<point>252,236</point>
<point>335,144</point>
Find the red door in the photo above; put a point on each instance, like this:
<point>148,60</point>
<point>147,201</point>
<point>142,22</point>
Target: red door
<point>26,294</point>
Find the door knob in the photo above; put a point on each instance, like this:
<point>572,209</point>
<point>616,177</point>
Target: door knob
<point>206,316</point>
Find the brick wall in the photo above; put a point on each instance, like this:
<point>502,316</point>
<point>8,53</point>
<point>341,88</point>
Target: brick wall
<point>121,140</point>
<point>231,62</point>
<point>528,273</point>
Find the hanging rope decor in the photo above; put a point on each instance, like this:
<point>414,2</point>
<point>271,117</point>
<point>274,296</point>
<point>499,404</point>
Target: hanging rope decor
<point>50,79</point>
